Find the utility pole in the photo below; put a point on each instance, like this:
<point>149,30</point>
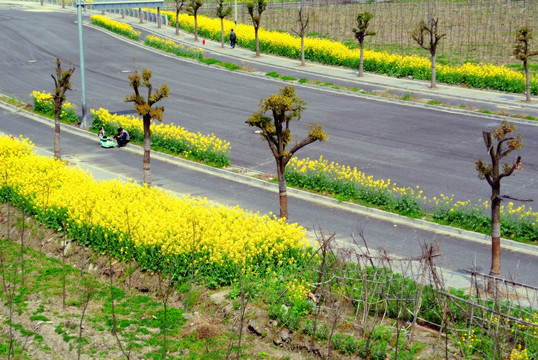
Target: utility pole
<point>84,123</point>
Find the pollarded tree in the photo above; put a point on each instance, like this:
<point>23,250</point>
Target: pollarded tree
<point>192,9</point>
<point>361,32</point>
<point>255,9</point>
<point>61,85</point>
<point>303,18</point>
<point>179,5</point>
<point>285,107</point>
<point>499,144</point>
<point>147,110</point>
<point>427,37</point>
<point>221,14</point>
<point>523,52</point>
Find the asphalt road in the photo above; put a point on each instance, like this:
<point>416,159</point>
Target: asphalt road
<point>395,237</point>
<point>410,145</point>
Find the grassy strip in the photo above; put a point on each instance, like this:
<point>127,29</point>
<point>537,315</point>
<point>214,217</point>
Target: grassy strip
<point>173,47</point>
<point>406,97</point>
<point>226,65</point>
<point>348,184</point>
<point>183,51</point>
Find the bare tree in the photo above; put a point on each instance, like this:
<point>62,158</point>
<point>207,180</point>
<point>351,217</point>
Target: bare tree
<point>523,52</point>
<point>255,9</point>
<point>147,110</point>
<point>221,14</point>
<point>303,18</point>
<point>427,37</point>
<point>361,31</point>
<point>285,107</point>
<point>61,85</point>
<point>192,9</point>
<point>88,290</point>
<point>497,149</point>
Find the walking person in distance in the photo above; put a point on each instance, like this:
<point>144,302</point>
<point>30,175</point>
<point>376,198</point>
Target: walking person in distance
<point>233,37</point>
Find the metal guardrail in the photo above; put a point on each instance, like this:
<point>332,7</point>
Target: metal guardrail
<point>146,15</point>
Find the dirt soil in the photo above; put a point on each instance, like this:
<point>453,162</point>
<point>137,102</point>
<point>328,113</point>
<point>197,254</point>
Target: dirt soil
<point>213,315</point>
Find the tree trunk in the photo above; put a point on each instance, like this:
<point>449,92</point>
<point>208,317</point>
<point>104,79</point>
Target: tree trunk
<point>257,42</point>
<point>283,196</point>
<point>147,149</point>
<point>434,82</point>
<point>361,61</point>
<point>159,25</point>
<point>177,22</point>
<point>302,50</point>
<point>222,33</point>
<point>140,15</point>
<point>57,136</point>
<point>527,83</point>
<point>495,238</point>
<point>57,114</point>
<point>195,28</point>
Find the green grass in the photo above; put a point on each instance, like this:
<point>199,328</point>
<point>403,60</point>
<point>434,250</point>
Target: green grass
<point>228,66</point>
<point>11,101</point>
<point>288,78</point>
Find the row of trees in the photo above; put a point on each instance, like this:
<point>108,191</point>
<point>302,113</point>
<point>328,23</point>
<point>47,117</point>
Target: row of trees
<point>428,36</point>
<point>285,107</point>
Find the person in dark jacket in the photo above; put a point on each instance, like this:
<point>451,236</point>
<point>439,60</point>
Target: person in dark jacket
<point>122,137</point>
<point>233,38</point>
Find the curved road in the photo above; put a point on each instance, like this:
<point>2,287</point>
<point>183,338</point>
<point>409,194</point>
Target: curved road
<point>410,145</point>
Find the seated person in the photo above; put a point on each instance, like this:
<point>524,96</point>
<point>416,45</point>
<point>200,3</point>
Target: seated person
<point>122,137</point>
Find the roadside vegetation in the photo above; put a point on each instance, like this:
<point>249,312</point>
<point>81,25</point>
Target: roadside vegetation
<point>162,277</point>
<point>481,31</point>
<point>332,179</point>
<point>76,288</point>
<point>519,223</point>
<point>325,51</point>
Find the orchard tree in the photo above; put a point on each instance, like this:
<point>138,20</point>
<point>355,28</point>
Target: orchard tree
<point>523,52</point>
<point>221,14</point>
<point>499,144</point>
<point>192,10</point>
<point>255,9</point>
<point>285,107</point>
<point>361,31</point>
<point>61,85</point>
<point>147,110</point>
<point>303,18</point>
<point>427,36</point>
